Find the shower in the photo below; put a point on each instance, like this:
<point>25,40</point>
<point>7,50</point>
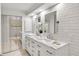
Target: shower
<point>11,27</point>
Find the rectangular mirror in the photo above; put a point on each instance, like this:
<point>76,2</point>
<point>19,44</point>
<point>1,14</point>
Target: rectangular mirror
<point>50,22</point>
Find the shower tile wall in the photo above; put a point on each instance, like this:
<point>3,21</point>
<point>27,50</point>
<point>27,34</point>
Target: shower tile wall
<point>0,28</point>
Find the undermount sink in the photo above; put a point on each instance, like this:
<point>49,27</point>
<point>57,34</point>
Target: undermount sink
<point>49,41</point>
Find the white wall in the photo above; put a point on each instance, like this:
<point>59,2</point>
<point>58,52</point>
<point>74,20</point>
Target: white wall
<point>10,12</point>
<point>0,28</point>
<point>26,27</point>
<point>68,28</point>
<point>68,15</point>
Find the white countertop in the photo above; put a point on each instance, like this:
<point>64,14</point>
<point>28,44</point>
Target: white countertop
<point>47,42</point>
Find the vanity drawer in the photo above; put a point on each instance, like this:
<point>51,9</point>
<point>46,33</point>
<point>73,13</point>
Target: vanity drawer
<point>49,51</point>
<point>39,46</point>
<point>33,42</point>
<point>34,52</point>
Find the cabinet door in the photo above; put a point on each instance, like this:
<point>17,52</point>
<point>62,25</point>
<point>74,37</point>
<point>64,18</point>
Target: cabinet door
<point>33,48</point>
<point>23,43</point>
<point>28,44</point>
<point>40,49</point>
<point>45,50</point>
<point>63,51</point>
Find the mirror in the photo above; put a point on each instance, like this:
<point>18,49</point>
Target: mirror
<point>39,26</point>
<point>47,26</point>
<point>50,23</point>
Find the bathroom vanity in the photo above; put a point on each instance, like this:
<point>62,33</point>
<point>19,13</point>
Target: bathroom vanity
<point>37,46</point>
<point>41,41</point>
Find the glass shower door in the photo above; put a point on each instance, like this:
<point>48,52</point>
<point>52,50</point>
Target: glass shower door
<point>15,32</point>
<point>11,28</point>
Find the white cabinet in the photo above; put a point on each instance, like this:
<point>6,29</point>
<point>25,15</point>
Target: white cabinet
<point>39,49</point>
<point>49,51</point>
<point>45,50</point>
<point>36,48</point>
<point>63,51</point>
<point>33,48</point>
<point>28,44</point>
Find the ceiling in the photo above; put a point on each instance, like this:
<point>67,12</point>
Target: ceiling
<point>26,8</point>
<point>22,7</point>
<point>42,8</point>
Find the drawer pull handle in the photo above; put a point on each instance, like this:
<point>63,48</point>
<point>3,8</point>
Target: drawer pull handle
<point>38,45</point>
<point>33,47</point>
<point>38,53</point>
<point>32,50</point>
<point>49,52</point>
<point>33,42</point>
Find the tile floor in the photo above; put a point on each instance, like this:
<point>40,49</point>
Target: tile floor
<point>19,52</point>
<point>15,49</point>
